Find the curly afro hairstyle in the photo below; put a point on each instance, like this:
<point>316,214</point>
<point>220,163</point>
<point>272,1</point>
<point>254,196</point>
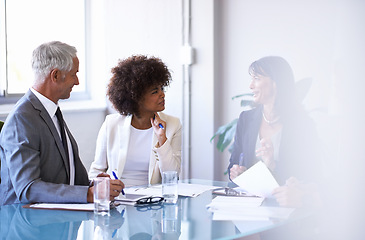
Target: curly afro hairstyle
<point>132,78</point>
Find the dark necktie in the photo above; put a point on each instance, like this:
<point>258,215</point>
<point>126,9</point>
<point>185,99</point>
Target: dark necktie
<point>62,129</point>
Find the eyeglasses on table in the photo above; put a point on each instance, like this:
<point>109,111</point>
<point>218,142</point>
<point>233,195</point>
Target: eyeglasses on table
<point>149,200</point>
<point>149,203</point>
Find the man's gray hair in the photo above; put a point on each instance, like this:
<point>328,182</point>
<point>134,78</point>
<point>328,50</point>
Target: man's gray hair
<point>51,55</point>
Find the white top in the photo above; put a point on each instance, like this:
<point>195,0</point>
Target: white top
<point>138,157</point>
<point>51,108</point>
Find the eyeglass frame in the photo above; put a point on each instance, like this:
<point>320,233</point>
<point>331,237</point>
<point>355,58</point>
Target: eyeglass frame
<point>149,200</point>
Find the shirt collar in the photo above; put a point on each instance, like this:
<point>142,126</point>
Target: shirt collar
<point>50,106</point>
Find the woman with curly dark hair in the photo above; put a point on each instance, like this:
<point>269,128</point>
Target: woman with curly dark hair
<point>139,142</point>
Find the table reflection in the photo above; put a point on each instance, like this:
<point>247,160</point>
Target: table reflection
<point>187,219</point>
<point>155,221</point>
<point>22,223</point>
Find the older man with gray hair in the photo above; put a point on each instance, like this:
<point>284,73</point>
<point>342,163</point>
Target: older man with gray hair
<point>39,157</point>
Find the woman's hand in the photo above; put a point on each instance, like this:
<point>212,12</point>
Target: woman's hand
<point>289,195</point>
<point>159,131</point>
<point>298,194</point>
<point>266,153</point>
<point>236,170</point>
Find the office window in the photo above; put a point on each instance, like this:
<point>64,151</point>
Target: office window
<point>25,24</point>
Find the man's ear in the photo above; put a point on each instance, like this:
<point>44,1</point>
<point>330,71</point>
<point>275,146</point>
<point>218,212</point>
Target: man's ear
<point>55,75</point>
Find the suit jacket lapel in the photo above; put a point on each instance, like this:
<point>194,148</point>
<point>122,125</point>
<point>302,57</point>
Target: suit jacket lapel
<point>52,128</point>
<point>153,169</point>
<point>124,135</point>
<point>253,128</point>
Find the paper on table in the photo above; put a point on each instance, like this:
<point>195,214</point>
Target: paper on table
<point>193,190</point>
<point>252,213</point>
<point>184,189</point>
<point>63,206</point>
<point>129,199</point>
<point>257,180</point>
<point>250,226</point>
<point>226,208</point>
<point>232,203</point>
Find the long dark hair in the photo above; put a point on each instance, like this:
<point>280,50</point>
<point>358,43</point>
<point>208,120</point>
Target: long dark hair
<point>278,70</point>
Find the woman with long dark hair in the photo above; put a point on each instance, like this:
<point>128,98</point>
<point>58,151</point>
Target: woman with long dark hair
<point>277,131</point>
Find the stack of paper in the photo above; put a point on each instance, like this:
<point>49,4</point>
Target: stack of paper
<point>245,208</point>
<point>129,199</point>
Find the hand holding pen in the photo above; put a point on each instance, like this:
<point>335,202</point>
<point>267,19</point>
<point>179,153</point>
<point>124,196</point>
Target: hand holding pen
<point>116,177</point>
<point>237,169</point>
<point>157,121</point>
<point>159,128</point>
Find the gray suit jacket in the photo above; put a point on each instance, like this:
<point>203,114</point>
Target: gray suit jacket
<point>34,167</point>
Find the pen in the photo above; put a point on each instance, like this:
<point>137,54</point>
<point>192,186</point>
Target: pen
<point>116,177</point>
<point>115,231</point>
<point>241,160</point>
<point>160,125</point>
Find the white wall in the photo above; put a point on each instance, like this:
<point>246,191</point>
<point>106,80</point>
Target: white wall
<point>202,89</point>
<point>148,28</point>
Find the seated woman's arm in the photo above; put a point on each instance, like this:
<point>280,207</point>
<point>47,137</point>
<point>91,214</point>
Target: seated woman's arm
<point>296,194</point>
<point>169,154</point>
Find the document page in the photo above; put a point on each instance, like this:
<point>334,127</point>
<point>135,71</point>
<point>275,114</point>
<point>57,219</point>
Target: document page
<point>257,180</point>
<point>129,199</point>
<point>184,189</point>
<point>252,213</point>
<point>62,206</point>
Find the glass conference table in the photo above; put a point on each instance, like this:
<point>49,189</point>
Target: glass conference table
<point>188,219</point>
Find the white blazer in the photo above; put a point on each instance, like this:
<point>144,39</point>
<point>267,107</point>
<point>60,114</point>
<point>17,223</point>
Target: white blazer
<point>112,147</point>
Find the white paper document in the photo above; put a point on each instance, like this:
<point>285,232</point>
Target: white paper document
<point>184,189</point>
<point>64,206</point>
<point>129,199</point>
<point>257,180</point>
<point>253,214</point>
<point>232,203</point>
<point>245,209</point>
<point>252,226</point>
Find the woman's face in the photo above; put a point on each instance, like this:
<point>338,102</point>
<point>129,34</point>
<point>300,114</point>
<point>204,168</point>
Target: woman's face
<point>263,89</point>
<point>153,100</point>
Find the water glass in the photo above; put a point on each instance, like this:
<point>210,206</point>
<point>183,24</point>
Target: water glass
<point>169,186</point>
<point>102,195</point>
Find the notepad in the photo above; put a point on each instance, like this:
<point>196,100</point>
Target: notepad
<point>129,199</point>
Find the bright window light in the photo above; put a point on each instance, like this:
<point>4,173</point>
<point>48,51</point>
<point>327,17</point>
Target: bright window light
<point>31,23</point>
